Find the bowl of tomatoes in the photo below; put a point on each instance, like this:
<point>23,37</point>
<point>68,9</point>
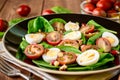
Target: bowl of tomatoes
<point>102,8</point>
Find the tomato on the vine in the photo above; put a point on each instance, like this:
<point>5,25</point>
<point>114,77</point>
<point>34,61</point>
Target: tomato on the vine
<point>34,51</point>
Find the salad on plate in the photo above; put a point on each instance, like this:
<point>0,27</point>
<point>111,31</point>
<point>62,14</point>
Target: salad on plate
<point>69,46</point>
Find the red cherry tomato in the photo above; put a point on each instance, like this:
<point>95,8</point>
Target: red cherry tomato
<point>105,5</point>
<point>87,28</point>
<point>99,12</point>
<point>114,52</point>
<point>117,6</point>
<point>93,1</point>
<point>68,42</point>
<point>112,1</point>
<point>3,25</point>
<point>111,13</point>
<point>89,7</point>
<point>67,58</point>
<point>47,11</point>
<point>34,51</point>
<point>23,10</point>
<point>53,38</point>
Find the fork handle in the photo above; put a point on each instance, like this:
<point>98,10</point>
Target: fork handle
<point>23,76</point>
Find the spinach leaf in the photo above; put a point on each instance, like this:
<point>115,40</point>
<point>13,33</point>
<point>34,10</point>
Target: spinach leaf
<point>116,48</point>
<point>83,39</point>
<point>15,21</point>
<point>46,45</point>
<point>23,45</point>
<point>44,64</point>
<point>1,34</point>
<point>31,28</point>
<point>104,59</point>
<point>99,27</point>
<point>20,55</point>
<point>39,23</point>
<point>59,9</point>
<point>69,49</point>
<point>92,39</point>
<point>57,20</point>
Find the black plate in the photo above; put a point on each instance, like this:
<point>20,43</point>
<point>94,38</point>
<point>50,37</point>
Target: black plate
<point>13,36</point>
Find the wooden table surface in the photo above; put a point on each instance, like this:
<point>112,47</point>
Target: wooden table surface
<point>8,12</point>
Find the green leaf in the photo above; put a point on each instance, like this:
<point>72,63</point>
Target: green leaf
<point>1,34</point>
<point>46,45</point>
<point>59,9</point>
<point>15,21</point>
<point>92,39</point>
<point>104,59</point>
<point>69,49</point>
<point>31,28</point>
<point>23,45</point>
<point>42,63</point>
<point>100,27</point>
<point>57,20</point>
<point>47,26</point>
<point>20,55</point>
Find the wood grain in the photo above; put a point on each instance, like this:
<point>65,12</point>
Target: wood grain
<point>69,4</point>
<point>9,10</point>
<point>2,3</point>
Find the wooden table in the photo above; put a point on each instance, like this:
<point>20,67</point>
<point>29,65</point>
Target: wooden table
<point>8,12</point>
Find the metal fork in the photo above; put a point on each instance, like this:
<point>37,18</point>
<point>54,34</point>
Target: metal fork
<point>7,69</point>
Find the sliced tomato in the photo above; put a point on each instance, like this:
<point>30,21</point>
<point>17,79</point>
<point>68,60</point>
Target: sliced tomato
<point>68,42</point>
<point>34,51</point>
<point>87,28</point>
<point>53,38</point>
<point>67,58</point>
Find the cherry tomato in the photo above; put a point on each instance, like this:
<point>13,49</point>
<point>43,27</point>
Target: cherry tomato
<point>67,58</point>
<point>88,7</point>
<point>47,11</point>
<point>93,1</point>
<point>112,1</point>
<point>114,52</point>
<point>34,51</point>
<point>23,10</point>
<point>111,13</point>
<point>87,28</point>
<point>3,25</point>
<point>68,42</point>
<point>54,38</point>
<point>105,5</point>
<point>117,6</point>
<point>99,12</point>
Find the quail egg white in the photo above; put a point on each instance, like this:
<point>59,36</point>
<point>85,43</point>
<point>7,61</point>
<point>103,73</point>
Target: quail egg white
<point>113,39</point>
<point>34,38</point>
<point>75,35</point>
<point>71,26</point>
<point>88,57</point>
<point>51,55</point>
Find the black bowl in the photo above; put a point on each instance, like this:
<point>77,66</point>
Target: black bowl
<point>13,37</point>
